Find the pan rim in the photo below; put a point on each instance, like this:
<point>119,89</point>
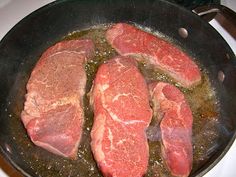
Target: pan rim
<point>54,3</point>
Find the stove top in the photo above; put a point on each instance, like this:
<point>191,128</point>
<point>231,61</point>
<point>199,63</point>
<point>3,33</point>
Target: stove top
<point>12,11</point>
<point>191,4</point>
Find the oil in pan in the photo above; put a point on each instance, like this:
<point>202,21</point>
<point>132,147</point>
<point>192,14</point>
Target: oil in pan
<point>202,100</point>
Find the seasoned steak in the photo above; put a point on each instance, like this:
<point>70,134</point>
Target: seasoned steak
<point>120,101</point>
<point>131,41</point>
<point>53,110</point>
<point>175,127</point>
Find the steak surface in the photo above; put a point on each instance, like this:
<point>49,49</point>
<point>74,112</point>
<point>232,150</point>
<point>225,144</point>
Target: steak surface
<point>53,110</point>
<point>131,41</point>
<point>175,119</point>
<point>120,101</point>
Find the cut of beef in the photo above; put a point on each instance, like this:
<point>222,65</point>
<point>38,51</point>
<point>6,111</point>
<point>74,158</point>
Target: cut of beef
<point>128,40</point>
<point>53,110</point>
<point>120,101</point>
<point>175,127</point>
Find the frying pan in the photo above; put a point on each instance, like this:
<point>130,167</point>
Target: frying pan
<point>22,46</point>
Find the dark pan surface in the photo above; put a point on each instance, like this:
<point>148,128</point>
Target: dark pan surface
<point>23,45</point>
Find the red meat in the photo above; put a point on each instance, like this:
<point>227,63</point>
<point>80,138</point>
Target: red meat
<point>175,127</point>
<point>121,114</point>
<point>131,41</point>
<point>53,110</point>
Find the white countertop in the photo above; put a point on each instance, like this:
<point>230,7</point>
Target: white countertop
<point>12,11</point>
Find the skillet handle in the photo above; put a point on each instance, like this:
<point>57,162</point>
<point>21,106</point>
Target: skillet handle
<point>223,15</point>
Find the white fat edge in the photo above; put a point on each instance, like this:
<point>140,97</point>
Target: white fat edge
<point>157,98</point>
<point>110,137</point>
<point>36,127</point>
<point>117,119</point>
<point>90,94</point>
<point>100,129</point>
<point>119,95</point>
<point>121,141</point>
<point>105,86</point>
<point>31,102</point>
<point>67,51</point>
<point>113,115</point>
<point>134,121</point>
<point>120,65</point>
<point>102,88</point>
<point>65,100</point>
<point>43,82</point>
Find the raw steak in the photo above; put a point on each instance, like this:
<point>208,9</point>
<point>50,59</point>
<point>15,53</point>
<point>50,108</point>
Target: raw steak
<point>128,40</point>
<point>121,115</point>
<point>53,110</point>
<point>175,126</point>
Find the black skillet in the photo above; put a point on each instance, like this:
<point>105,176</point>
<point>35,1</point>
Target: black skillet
<point>23,45</point>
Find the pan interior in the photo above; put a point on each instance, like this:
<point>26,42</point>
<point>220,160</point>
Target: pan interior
<point>45,164</point>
